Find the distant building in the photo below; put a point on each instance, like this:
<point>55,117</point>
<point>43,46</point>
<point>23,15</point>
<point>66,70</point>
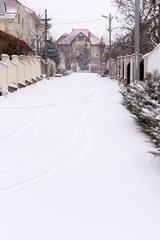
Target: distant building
<point>72,46</point>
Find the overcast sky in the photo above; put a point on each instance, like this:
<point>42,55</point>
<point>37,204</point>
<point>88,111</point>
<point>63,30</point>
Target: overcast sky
<point>69,14</point>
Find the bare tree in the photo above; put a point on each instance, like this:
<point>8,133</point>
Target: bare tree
<point>149,21</point>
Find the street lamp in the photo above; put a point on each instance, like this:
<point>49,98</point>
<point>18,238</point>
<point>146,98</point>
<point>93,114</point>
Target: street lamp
<point>110,19</point>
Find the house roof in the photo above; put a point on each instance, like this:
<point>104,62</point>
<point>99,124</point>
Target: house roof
<point>70,37</point>
<point>28,10</point>
<point>12,7</point>
<point>9,9</point>
<point>64,35</point>
<point>32,12</point>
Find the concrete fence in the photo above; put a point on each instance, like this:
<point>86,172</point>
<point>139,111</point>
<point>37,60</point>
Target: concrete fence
<point>21,71</point>
<point>124,68</point>
<point>12,73</point>
<point>3,75</point>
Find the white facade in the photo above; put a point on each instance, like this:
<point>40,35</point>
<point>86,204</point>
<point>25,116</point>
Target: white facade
<point>152,60</point>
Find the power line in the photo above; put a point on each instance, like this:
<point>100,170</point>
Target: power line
<point>62,19</point>
<point>75,22</point>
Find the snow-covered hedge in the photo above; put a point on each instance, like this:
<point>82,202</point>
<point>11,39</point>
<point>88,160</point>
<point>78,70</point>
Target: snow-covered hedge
<point>142,99</point>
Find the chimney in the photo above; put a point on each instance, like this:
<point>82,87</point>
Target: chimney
<point>72,29</point>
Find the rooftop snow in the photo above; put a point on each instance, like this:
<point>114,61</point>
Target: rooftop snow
<point>8,16</point>
<point>70,37</point>
<point>12,6</point>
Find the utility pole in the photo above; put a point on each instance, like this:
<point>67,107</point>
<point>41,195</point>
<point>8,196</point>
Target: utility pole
<point>101,53</point>
<point>110,41</point>
<point>46,42</point>
<point>110,32</point>
<point>37,37</point>
<point>137,65</point>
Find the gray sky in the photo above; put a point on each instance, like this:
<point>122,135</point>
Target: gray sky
<point>69,14</point>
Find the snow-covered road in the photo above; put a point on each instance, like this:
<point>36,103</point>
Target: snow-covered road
<point>73,165</point>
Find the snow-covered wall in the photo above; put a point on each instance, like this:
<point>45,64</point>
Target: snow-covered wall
<point>152,60</point>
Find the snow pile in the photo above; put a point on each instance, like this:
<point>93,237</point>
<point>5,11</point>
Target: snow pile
<point>142,99</point>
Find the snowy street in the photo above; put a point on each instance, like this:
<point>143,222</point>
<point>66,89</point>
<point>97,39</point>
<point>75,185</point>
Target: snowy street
<point>74,165</point>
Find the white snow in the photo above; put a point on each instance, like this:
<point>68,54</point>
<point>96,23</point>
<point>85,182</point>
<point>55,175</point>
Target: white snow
<point>73,164</point>
<point>152,59</point>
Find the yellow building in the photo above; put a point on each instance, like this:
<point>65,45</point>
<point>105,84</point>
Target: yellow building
<point>13,19</point>
<point>22,23</point>
<point>72,46</point>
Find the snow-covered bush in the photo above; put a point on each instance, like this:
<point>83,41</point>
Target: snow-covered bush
<point>142,99</point>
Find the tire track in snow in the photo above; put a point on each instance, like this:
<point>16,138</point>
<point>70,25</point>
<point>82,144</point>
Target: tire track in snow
<point>61,163</point>
<point>52,169</point>
<point>34,119</point>
<point>47,105</point>
<point>77,123</point>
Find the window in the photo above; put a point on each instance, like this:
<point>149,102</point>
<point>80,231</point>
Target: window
<point>19,18</point>
<point>95,61</point>
<point>2,7</point>
<point>22,22</point>
<point>80,38</point>
<point>95,50</point>
<point>5,7</point>
<point>32,43</point>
